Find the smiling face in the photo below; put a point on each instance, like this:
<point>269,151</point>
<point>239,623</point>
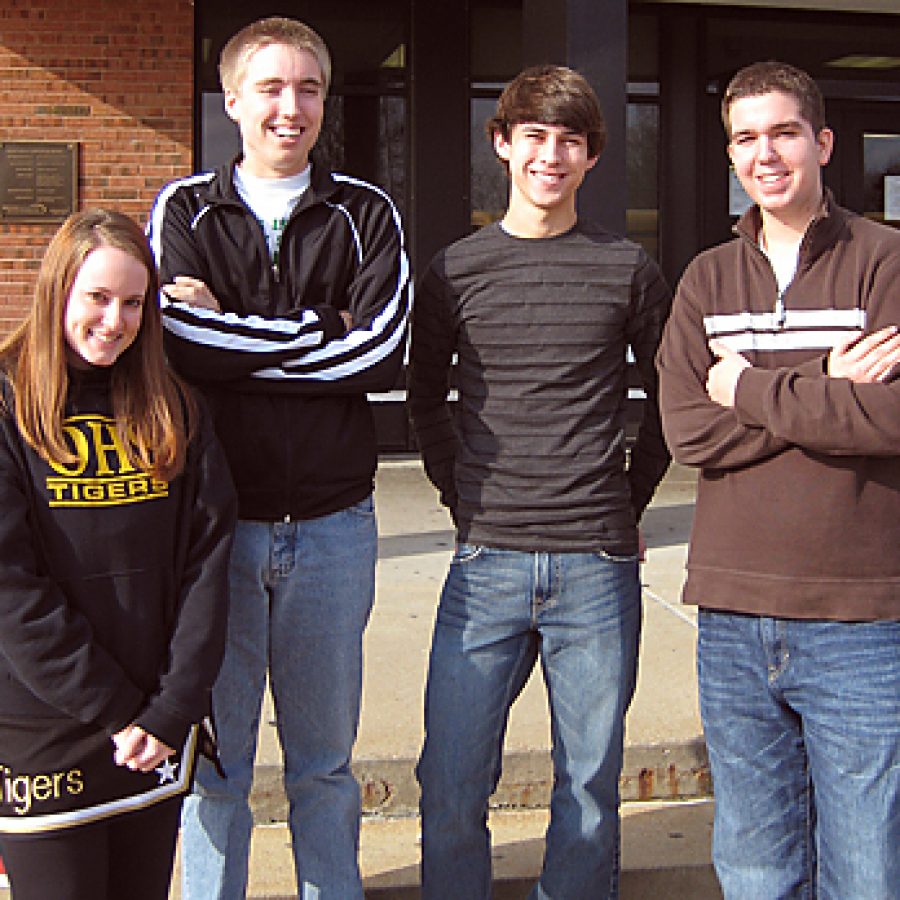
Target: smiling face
<point>777,157</point>
<point>547,164</point>
<point>105,307</point>
<point>278,107</point>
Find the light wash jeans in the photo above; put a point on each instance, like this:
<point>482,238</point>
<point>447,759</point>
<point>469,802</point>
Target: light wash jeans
<point>501,610</point>
<point>301,594</point>
<point>802,722</point>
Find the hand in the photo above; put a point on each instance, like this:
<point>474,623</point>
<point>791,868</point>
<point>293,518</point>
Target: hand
<point>139,750</point>
<point>192,291</point>
<point>866,359</point>
<point>722,378</point>
<point>348,319</point>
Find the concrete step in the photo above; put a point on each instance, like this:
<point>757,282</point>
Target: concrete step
<point>665,854</point>
<point>665,771</point>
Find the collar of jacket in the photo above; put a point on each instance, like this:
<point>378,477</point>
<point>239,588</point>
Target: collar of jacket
<point>821,234</point>
<point>221,189</point>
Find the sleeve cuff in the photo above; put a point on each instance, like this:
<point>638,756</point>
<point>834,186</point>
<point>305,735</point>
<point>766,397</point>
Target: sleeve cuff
<point>170,730</point>
<point>333,325</point>
<point>749,396</point>
<point>817,367</point>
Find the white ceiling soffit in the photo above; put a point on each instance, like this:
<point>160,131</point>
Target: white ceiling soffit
<point>857,6</point>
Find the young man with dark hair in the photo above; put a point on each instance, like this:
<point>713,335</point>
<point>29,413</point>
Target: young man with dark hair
<point>793,559</point>
<point>540,309</point>
<point>287,302</point>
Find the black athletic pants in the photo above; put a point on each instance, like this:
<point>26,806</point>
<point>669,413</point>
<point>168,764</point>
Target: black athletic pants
<point>125,857</point>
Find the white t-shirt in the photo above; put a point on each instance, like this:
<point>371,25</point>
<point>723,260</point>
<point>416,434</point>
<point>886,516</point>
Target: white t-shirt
<point>272,200</point>
<point>784,265</point>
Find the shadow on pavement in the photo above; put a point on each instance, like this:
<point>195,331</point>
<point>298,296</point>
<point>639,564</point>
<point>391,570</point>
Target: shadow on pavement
<point>667,526</point>
<point>666,854</point>
<point>394,546</point>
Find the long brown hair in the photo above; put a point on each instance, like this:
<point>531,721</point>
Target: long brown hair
<point>153,410</point>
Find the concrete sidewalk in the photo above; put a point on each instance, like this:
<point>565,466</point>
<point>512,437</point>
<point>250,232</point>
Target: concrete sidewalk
<point>665,855</point>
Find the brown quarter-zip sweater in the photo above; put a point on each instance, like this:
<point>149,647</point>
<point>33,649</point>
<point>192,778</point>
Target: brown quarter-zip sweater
<point>798,509</point>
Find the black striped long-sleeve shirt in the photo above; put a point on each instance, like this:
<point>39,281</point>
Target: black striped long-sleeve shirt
<point>535,457</point>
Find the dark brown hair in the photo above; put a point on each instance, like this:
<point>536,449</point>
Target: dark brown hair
<point>551,95</point>
<point>766,77</point>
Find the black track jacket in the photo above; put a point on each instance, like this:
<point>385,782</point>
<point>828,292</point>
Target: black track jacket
<point>286,383</point>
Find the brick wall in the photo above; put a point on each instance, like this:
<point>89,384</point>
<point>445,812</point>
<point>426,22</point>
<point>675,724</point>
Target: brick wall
<point>114,75</point>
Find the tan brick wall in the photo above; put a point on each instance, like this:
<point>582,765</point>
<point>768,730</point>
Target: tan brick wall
<point>114,75</point>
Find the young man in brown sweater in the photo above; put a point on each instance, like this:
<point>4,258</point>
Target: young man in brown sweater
<point>793,558</point>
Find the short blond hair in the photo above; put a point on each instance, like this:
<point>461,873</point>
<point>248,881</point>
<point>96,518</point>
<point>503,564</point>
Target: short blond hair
<point>263,33</point>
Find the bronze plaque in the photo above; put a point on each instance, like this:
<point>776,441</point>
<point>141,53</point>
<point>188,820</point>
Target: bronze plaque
<point>38,180</point>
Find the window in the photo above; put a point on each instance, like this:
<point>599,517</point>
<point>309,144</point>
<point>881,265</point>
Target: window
<point>642,133</point>
<point>642,154</point>
<point>496,58</point>
<point>881,177</point>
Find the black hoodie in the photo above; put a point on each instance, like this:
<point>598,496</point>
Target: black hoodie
<point>113,593</point>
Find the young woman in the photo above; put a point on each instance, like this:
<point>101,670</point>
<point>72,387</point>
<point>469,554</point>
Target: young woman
<point>117,515</point>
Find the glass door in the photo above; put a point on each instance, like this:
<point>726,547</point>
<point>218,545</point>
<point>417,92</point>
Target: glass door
<point>881,176</point>
<point>867,159</point>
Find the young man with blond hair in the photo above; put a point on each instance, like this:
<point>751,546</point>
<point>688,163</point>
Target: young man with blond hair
<point>539,308</point>
<point>776,381</point>
<point>286,291</point>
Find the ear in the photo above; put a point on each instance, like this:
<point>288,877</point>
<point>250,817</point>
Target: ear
<point>502,147</point>
<point>231,106</point>
<point>825,141</point>
<point>592,161</point>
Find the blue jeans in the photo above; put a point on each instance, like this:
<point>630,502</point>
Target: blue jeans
<point>802,721</point>
<point>301,594</point>
<point>499,611</point>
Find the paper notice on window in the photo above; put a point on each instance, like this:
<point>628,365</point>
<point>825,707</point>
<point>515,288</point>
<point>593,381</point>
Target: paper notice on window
<point>892,198</point>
